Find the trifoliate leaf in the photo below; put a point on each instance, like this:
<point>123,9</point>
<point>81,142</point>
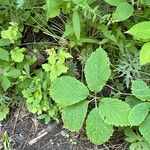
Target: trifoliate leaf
<point>144,128</point>
<point>115,2</point>
<point>76,24</point>
<point>73,116</point>
<point>4,55</point>
<point>4,110</point>
<point>123,12</point>
<point>97,131</point>
<point>97,70</point>
<point>138,114</point>
<point>141,31</point>
<point>145,54</point>
<point>140,90</point>
<point>67,91</point>
<point>5,83</point>
<point>114,111</point>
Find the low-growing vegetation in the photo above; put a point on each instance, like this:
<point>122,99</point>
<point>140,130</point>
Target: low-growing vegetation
<point>85,62</point>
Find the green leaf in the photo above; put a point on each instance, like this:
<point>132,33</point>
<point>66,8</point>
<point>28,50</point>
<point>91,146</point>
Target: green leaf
<point>144,128</point>
<point>145,54</point>
<point>138,114</point>
<point>97,70</point>
<point>132,101</point>
<point>76,24</point>
<point>114,111</point>
<point>97,131</point>
<point>131,135</point>
<point>13,73</point>
<point>4,55</point>
<point>5,83</point>
<point>123,12</point>
<point>67,91</point>
<point>4,42</point>
<point>145,2</point>
<point>17,54</point>
<point>52,8</point>
<point>73,116</point>
<point>140,90</point>
<point>4,110</point>
<point>141,31</point>
<point>115,2</point>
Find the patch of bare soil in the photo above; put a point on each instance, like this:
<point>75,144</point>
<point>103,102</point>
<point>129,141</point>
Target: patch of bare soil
<point>28,133</point>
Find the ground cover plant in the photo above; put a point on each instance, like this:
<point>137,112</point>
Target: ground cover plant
<point>82,62</point>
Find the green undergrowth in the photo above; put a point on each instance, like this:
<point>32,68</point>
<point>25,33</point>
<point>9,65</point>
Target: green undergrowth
<point>85,62</point>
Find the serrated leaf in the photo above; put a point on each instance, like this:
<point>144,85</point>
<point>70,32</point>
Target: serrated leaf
<point>144,128</point>
<point>138,114</point>
<point>141,31</point>
<point>73,116</point>
<point>4,110</point>
<point>5,83</point>
<point>114,111</point>
<point>132,101</point>
<point>145,54</point>
<point>76,24</point>
<point>97,131</point>
<point>115,2</point>
<point>4,55</point>
<point>67,91</point>
<point>123,12</point>
<point>97,70</point>
<point>140,90</point>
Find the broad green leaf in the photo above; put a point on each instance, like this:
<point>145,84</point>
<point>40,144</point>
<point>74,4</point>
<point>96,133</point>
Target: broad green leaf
<point>76,24</point>
<point>114,111</point>
<point>97,70</point>
<point>5,83</point>
<point>52,8</point>
<point>138,114</point>
<point>97,131</point>
<point>123,12</point>
<point>140,90</point>
<point>4,110</point>
<point>144,128</point>
<point>140,145</point>
<point>115,2</point>
<point>141,31</point>
<point>67,91</point>
<point>145,54</point>
<point>4,55</point>
<point>73,116</point>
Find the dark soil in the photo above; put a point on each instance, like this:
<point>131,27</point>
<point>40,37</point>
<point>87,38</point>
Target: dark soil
<point>28,133</point>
